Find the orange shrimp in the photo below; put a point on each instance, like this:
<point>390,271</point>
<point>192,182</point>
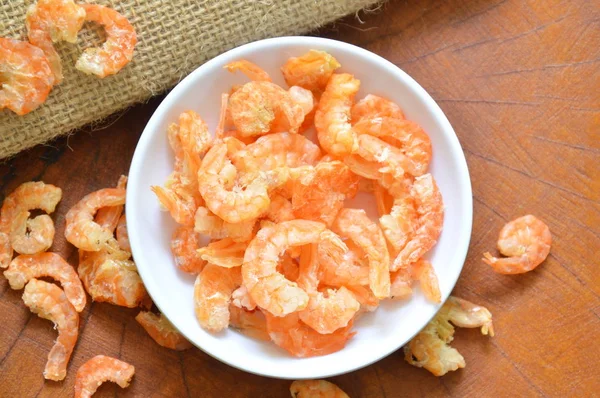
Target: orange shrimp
<point>291,334</point>
<point>407,136</point>
<point>363,168</point>
<point>390,158</point>
<point>332,118</point>
<point>207,223</point>
<point>184,246</point>
<point>423,271</point>
<point>26,267</point>
<point>123,235</point>
<point>401,284</point>
<point>109,217</point>
<point>26,76</point>
<point>526,243</point>
<point>373,106</point>
<point>251,323</point>
<point>40,235</point>
<point>117,50</point>
<point>280,209</point>
<point>253,71</point>
<point>224,253</point>
<point>51,21</point>
<point>310,71</point>
<point>338,265</point>
<point>400,222</point>
<point>240,298</point>
<point>358,227</point>
<point>306,100</point>
<point>99,369</point>
<point>49,302</point>
<point>212,296</point>
<point>162,331</point>
<point>430,218</point>
<point>316,389</point>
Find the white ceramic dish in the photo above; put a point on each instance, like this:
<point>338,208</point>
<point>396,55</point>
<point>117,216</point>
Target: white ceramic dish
<point>379,333</point>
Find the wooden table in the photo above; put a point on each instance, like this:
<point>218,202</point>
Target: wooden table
<point>520,83</point>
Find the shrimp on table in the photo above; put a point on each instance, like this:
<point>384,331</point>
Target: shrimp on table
<point>224,253</point>
<point>117,51</point>
<point>526,243</point>
<point>109,217</point>
<point>49,302</point>
<point>405,135</point>
<point>251,323</point>
<point>267,287</point>
<point>310,71</point>
<point>212,296</point>
<point>430,349</point>
<point>373,106</point>
<point>300,340</point>
<point>358,227</point>
<point>332,118</point>
<point>123,235</point>
<point>184,246</point>
<point>430,218</point>
<point>316,389</point>
<point>51,21</point>
<point>162,331</point>
<point>14,220</point>
<point>250,69</point>
<point>25,267</point>
<point>99,369</point>
<point>26,76</point>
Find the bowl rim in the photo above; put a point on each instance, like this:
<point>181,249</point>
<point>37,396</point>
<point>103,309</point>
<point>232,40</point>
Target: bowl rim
<point>260,45</point>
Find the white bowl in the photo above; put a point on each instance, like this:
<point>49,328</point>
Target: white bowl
<point>380,333</point>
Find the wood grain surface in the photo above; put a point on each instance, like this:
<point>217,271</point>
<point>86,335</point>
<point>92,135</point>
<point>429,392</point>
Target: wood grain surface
<point>520,83</point>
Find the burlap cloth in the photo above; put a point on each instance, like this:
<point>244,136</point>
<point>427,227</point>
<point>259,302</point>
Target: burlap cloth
<point>174,37</point>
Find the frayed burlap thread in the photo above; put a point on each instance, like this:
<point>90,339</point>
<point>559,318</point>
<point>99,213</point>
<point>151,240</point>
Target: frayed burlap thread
<point>174,37</point>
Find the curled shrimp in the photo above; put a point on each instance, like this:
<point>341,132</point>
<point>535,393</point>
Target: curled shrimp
<point>326,311</point>
<point>407,136</point>
<point>430,218</point>
<point>373,106</point>
<point>207,223</point>
<point>220,187</point>
<point>49,302</point>
<point>28,196</point>
<point>526,243</point>
<point>123,235</point>
<point>374,150</point>
<point>212,295</point>
<point>338,265</point>
<point>25,267</point>
<point>109,217</point>
<point>117,51</point>
<point>240,298</point>
<point>423,271</point>
<point>99,369</point>
<point>316,389</point>
<point>300,340</point>
<point>51,21</point>
<point>26,76</point>
<point>258,106</point>
<point>267,287</point>
<point>162,331</point>
<point>358,227</point>
<point>184,246</point>
<point>310,71</point>
<point>280,209</point>
<point>332,118</point>
<point>400,221</point>
<point>224,253</point>
<point>31,236</point>
<point>253,71</point>
<point>251,323</point>
<point>430,349</point>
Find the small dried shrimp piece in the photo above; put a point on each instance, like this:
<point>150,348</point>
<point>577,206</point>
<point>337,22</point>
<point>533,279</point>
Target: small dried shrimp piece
<point>390,158</point>
<point>338,265</point>
<point>373,106</point>
<point>220,187</point>
<point>316,389</point>
<point>162,331</point>
<point>118,283</point>
<point>526,243</point>
<point>430,349</point>
<point>123,235</point>
<point>240,298</point>
<point>300,340</point>
<point>310,71</point>
<point>253,71</point>
<point>363,168</point>
<point>28,196</point>
<point>423,271</point>
<point>26,76</point>
<point>280,209</point>
<point>258,106</point>
<point>51,21</point>
<point>109,217</point>
<point>49,302</point>
<point>366,298</point>
<point>401,284</point>
<point>332,118</point>
<point>207,223</point>
<point>304,98</point>
<point>269,288</point>
<point>184,246</point>
<point>407,136</point>
<point>326,311</point>
<point>99,369</point>
<point>224,253</point>
<point>251,323</point>
<point>319,193</point>
<point>430,218</point>
<point>25,267</point>
<point>358,227</point>
<point>117,51</point>
<point>398,223</point>
<point>212,295</point>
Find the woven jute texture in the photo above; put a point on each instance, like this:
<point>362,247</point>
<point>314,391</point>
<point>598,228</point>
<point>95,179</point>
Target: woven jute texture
<point>174,37</point>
